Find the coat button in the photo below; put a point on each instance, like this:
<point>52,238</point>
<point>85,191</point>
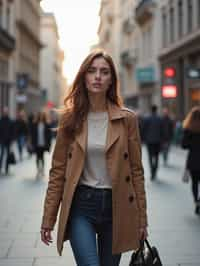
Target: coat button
<point>128,178</point>
<point>70,155</point>
<point>126,155</point>
<point>131,198</point>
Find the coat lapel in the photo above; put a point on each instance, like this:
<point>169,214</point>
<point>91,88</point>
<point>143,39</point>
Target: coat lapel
<point>81,138</point>
<point>115,113</point>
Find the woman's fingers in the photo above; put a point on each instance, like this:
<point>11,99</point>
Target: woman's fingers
<point>143,233</point>
<point>46,236</point>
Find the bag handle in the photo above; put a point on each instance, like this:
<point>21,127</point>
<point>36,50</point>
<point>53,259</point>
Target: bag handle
<point>142,242</point>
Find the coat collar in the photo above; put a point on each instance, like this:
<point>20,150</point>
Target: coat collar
<point>114,113</point>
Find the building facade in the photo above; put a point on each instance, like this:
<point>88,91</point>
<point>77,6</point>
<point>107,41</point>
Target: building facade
<point>180,51</point>
<point>28,46</point>
<point>135,49</point>
<point>147,72</point>
<point>109,28</point>
<point>7,48</point>
<point>51,60</point>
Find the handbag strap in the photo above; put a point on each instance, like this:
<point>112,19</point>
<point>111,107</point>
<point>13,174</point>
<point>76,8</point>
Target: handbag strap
<point>149,247</point>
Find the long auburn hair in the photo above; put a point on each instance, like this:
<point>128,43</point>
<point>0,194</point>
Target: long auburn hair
<point>192,120</point>
<point>76,103</point>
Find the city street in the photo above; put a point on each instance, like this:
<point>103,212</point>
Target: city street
<point>173,227</point>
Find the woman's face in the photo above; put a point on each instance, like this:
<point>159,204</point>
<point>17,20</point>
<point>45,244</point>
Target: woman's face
<point>98,75</point>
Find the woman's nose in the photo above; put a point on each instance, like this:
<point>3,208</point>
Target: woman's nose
<point>97,74</point>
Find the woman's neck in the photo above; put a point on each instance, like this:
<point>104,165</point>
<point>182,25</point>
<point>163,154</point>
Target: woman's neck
<point>97,101</point>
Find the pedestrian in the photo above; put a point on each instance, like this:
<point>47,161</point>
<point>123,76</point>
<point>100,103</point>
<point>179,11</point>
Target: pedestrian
<point>6,138</point>
<point>30,124</point>
<point>178,131</point>
<point>97,173</point>
<point>41,140</point>
<point>191,142</point>
<point>153,128</point>
<point>21,131</point>
<point>168,133</point>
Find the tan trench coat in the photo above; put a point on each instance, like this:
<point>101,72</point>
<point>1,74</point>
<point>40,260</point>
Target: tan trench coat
<point>123,156</point>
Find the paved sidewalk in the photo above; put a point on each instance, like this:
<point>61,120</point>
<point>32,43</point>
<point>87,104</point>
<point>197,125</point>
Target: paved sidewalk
<point>173,227</point>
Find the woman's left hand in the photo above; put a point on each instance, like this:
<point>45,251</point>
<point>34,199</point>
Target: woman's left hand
<point>143,233</point>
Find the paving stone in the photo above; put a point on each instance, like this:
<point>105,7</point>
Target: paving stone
<point>16,262</point>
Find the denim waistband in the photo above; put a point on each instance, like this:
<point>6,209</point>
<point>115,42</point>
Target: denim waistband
<point>86,187</point>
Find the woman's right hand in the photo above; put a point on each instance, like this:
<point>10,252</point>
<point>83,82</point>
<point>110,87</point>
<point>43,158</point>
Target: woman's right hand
<point>46,236</point>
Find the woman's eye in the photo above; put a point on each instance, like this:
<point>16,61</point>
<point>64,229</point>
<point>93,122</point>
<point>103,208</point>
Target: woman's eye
<point>91,70</point>
<point>105,72</point>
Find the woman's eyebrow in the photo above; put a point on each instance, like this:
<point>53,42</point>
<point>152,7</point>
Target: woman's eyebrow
<point>102,68</point>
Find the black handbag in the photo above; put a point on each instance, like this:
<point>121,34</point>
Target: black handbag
<point>145,256</point>
<point>11,158</point>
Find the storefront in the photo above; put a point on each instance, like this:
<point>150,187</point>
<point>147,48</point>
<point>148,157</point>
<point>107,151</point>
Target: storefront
<point>185,60</point>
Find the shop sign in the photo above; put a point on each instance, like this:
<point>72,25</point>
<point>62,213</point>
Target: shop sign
<point>145,75</point>
<point>193,73</point>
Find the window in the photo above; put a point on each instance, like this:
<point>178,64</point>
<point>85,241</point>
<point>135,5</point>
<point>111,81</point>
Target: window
<point>171,19</point>
<point>1,13</point>
<point>164,29</point>
<point>180,18</point>
<point>8,18</point>
<point>198,12</point>
<point>190,11</point>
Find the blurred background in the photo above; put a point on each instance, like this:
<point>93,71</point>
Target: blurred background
<point>155,45</point>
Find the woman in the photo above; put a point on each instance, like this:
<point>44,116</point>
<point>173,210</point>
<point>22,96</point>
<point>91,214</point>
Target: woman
<point>97,173</point>
<point>41,140</point>
<point>191,141</point>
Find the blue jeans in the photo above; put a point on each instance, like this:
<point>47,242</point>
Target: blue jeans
<point>91,216</point>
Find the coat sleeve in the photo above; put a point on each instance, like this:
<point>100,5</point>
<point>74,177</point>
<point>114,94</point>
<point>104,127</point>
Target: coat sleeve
<point>186,140</point>
<point>137,172</point>
<point>56,182</point>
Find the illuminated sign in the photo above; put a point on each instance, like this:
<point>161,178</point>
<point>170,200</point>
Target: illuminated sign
<point>169,91</point>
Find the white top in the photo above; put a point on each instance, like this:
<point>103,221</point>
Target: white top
<point>95,172</point>
<point>41,138</point>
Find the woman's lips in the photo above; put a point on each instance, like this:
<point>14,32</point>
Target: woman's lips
<point>96,85</point>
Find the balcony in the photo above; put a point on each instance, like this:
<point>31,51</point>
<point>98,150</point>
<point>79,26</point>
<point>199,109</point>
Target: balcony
<point>7,43</point>
<point>127,58</point>
<point>128,26</point>
<point>144,11</point>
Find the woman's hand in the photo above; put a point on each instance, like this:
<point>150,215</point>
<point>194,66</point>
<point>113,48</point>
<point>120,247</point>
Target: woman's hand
<point>46,236</point>
<point>143,233</point>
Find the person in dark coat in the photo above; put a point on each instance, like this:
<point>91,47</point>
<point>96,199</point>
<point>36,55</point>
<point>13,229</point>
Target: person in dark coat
<point>191,142</point>
<point>153,130</point>
<point>6,137</point>
<point>168,133</point>
<point>41,140</point>
<point>21,131</point>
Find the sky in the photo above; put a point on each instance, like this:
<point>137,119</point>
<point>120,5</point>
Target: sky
<point>78,22</point>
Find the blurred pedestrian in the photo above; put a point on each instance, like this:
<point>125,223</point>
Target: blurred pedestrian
<point>6,138</point>
<point>168,133</point>
<point>178,132</point>
<point>97,173</point>
<point>153,128</point>
<point>41,140</point>
<point>21,132</point>
<point>141,120</point>
<point>191,142</point>
<point>30,148</point>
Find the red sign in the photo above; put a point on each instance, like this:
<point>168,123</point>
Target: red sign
<point>169,91</point>
<point>169,72</point>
